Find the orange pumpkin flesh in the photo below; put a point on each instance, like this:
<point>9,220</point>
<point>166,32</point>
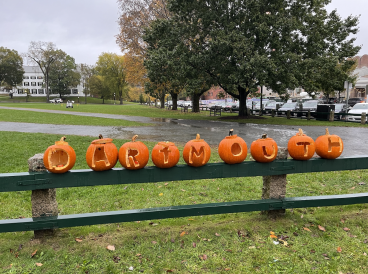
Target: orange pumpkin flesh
<point>102,154</point>
<point>165,155</point>
<point>264,150</point>
<point>329,146</point>
<point>59,158</point>
<point>196,152</point>
<point>133,155</point>
<point>301,147</point>
<point>232,149</point>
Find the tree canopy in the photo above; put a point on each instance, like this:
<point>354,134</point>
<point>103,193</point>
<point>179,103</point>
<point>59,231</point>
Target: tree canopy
<point>11,68</point>
<point>242,45</point>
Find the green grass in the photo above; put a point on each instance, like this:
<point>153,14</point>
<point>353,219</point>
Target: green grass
<point>134,109</point>
<point>228,243</point>
<point>24,116</point>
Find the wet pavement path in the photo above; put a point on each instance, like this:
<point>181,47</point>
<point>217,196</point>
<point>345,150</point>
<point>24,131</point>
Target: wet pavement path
<point>181,130</point>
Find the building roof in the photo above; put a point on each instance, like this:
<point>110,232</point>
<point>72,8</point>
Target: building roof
<point>32,69</point>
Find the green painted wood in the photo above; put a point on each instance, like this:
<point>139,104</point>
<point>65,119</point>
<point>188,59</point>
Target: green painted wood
<point>177,211</point>
<point>78,178</point>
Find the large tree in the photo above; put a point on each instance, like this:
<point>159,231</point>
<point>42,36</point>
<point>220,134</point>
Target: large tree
<point>86,72</point>
<point>43,54</point>
<point>246,44</point>
<point>112,67</point>
<point>11,68</point>
<point>99,86</point>
<point>63,74</point>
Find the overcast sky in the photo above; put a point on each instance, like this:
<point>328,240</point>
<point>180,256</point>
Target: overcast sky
<point>86,28</point>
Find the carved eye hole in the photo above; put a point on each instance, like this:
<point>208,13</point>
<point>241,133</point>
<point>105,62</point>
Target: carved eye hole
<point>236,149</point>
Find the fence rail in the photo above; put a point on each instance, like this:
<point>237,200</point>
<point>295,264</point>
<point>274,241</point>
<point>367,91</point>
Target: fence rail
<point>80,178</point>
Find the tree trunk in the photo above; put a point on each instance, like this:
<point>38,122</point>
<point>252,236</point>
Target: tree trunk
<point>195,102</point>
<point>85,98</point>
<point>47,87</point>
<point>103,100</point>
<point>162,100</point>
<point>174,97</point>
<point>242,101</point>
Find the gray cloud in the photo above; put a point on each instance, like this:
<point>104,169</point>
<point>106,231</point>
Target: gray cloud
<point>86,28</point>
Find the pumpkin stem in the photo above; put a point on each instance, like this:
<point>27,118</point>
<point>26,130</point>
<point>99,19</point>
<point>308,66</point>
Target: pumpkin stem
<point>100,136</point>
<point>198,137</point>
<point>134,137</point>
<point>300,132</point>
<point>264,136</point>
<point>63,139</point>
<point>327,133</point>
<point>231,132</point>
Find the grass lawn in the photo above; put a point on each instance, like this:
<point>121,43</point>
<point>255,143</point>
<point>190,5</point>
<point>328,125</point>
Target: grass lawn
<point>9,115</point>
<point>313,240</point>
<point>134,109</point>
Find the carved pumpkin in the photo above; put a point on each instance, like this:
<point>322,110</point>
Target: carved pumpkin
<point>59,158</point>
<point>133,155</point>
<point>196,152</point>
<point>232,149</point>
<point>264,150</point>
<point>102,154</point>
<point>301,147</point>
<point>165,155</point>
<point>329,146</point>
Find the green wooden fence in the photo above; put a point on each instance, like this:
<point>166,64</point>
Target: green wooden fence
<point>80,178</point>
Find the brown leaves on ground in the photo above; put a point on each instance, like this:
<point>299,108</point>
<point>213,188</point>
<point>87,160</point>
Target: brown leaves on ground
<point>346,229</point>
<point>39,264</point>
<point>339,249</point>
<point>306,229</point>
<point>78,240</point>
<point>321,228</point>
<point>182,234</point>
<point>110,247</point>
<point>34,253</point>
<point>203,257</point>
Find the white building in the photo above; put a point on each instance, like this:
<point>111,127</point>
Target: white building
<point>33,81</point>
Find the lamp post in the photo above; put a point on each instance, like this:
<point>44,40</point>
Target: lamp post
<point>114,98</point>
<point>78,99</point>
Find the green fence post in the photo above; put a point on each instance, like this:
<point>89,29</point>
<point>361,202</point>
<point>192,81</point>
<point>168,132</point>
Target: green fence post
<point>44,202</point>
<point>274,186</point>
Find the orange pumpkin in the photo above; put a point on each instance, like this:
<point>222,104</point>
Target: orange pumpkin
<point>102,154</point>
<point>232,149</point>
<point>165,155</point>
<point>264,150</point>
<point>301,147</point>
<point>133,155</point>
<point>329,146</point>
<point>196,152</point>
<point>59,158</point>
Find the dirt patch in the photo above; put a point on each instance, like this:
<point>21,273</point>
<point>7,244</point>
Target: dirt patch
<point>241,117</point>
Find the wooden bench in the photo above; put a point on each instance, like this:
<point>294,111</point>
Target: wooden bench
<point>216,111</point>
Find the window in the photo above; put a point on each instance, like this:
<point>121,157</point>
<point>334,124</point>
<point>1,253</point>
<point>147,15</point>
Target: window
<point>34,91</point>
<point>39,77</point>
<point>33,84</point>
<point>25,77</point>
<point>74,91</point>
<point>26,84</point>
<point>20,91</point>
<point>33,77</point>
<point>41,91</point>
<point>39,84</point>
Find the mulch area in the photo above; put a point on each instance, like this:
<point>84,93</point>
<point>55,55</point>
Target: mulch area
<point>241,117</point>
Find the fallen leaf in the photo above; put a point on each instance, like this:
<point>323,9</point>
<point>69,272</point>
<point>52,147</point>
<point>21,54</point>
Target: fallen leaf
<point>116,259</point>
<point>302,216</point>
<point>172,240</point>
<point>365,254</point>
<point>110,247</point>
<point>228,250</point>
<point>203,257</point>
<point>321,228</point>
<point>166,184</point>
<point>34,253</point>
<point>159,186</point>
<point>312,251</point>
<point>39,264</point>
<point>138,255</point>
<point>273,236</point>
<point>325,255</point>
<point>190,219</point>
<point>154,242</point>
<point>339,249</point>
<point>306,228</point>
<point>160,194</point>
<point>227,269</point>
<point>295,234</point>
<point>182,234</point>
<point>352,236</point>
<point>346,229</point>
<point>183,190</point>
<point>194,244</point>
<point>361,183</point>
<point>252,247</point>
<point>353,187</point>
<point>342,220</point>
<point>169,271</point>
<point>78,240</point>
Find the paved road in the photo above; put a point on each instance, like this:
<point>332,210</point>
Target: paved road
<point>181,130</point>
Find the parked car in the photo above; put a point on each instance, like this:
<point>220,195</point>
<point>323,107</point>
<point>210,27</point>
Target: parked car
<point>294,106</point>
<point>358,108</point>
<point>56,100</point>
<point>339,109</point>
<point>355,100</point>
<point>228,106</point>
<point>309,106</point>
<point>218,104</point>
<point>273,106</point>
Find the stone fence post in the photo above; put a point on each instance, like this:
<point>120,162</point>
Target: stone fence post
<point>44,202</point>
<point>274,186</point>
